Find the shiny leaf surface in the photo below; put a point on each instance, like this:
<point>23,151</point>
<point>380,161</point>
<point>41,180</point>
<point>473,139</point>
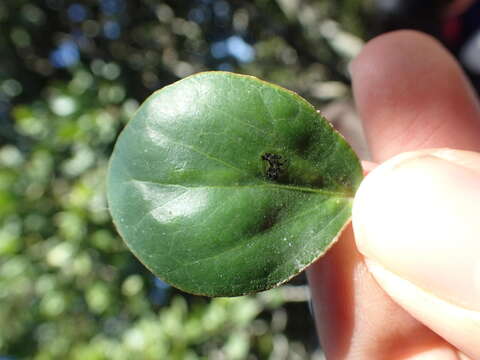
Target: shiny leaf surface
<point>223,184</point>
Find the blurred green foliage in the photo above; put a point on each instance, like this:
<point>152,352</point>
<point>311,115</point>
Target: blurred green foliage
<point>71,75</point>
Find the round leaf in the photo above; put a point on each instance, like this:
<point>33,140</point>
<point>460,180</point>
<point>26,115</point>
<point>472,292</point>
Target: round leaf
<point>223,184</point>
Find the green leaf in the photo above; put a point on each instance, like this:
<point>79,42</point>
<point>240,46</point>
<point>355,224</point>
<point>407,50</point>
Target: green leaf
<point>223,184</point>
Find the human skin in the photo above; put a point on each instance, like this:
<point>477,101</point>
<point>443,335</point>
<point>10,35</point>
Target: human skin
<point>404,282</point>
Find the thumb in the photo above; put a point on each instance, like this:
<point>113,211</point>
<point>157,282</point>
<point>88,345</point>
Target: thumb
<point>417,222</point>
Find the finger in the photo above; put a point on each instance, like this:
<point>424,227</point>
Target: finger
<point>340,283</point>
<point>416,222</point>
<point>410,114</point>
<point>411,94</point>
<point>356,320</point>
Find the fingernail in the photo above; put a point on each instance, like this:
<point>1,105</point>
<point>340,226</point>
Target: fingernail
<point>418,215</point>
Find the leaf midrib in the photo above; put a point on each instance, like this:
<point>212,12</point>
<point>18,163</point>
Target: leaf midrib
<point>331,193</point>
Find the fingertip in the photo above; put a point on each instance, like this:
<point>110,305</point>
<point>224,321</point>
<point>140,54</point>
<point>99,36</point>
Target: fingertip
<point>381,56</point>
<point>415,219</point>
<point>417,215</point>
<point>411,93</point>
<point>379,44</point>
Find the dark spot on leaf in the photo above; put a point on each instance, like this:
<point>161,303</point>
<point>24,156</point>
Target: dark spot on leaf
<point>274,165</point>
<point>318,182</point>
<point>269,220</point>
<point>303,142</point>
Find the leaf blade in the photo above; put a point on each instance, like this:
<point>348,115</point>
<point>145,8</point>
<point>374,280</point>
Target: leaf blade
<point>196,199</point>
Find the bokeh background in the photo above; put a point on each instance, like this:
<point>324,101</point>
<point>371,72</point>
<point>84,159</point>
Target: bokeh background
<point>71,75</point>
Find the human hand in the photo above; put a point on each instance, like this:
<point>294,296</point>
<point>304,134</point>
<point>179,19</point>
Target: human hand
<point>416,217</point>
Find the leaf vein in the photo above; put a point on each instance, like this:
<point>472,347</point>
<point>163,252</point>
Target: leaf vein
<point>253,186</point>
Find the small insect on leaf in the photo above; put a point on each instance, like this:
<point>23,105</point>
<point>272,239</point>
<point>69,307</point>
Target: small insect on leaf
<point>274,167</point>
